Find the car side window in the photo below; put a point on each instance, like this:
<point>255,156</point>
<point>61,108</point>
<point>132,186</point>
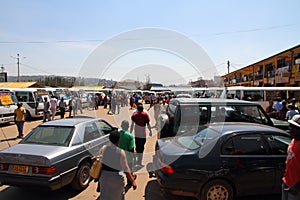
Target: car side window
<point>245,144</point>
<point>104,127</point>
<point>91,132</point>
<point>278,144</point>
<point>188,118</point>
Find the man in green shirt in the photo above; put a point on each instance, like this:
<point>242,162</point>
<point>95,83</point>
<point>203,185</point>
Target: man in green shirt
<point>127,144</point>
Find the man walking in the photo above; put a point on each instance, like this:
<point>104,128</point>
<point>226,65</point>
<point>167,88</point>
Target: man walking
<point>53,105</point>
<point>127,144</point>
<point>46,110</point>
<point>62,108</point>
<point>140,119</point>
<point>19,117</point>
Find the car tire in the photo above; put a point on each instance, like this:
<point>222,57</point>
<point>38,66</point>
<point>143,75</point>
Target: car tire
<point>27,116</point>
<point>217,189</point>
<point>82,177</point>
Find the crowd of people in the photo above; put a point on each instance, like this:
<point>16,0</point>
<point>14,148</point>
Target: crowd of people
<point>282,109</point>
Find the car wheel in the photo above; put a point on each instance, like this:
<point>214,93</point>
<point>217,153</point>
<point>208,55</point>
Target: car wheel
<point>27,116</point>
<point>82,177</point>
<point>217,189</point>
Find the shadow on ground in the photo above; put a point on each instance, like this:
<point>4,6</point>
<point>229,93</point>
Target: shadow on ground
<point>12,193</point>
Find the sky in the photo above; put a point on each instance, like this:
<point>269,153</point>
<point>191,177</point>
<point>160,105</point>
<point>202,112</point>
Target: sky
<point>175,41</point>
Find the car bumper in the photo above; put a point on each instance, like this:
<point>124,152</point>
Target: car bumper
<point>47,183</point>
<point>177,186</point>
<point>6,119</point>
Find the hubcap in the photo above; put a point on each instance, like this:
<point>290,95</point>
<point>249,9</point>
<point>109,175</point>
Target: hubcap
<point>84,175</point>
<point>217,192</point>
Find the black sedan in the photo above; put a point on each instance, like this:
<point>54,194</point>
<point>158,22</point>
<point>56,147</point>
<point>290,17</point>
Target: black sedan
<point>55,154</point>
<point>223,161</point>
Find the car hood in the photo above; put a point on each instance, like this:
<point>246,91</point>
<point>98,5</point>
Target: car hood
<point>31,154</point>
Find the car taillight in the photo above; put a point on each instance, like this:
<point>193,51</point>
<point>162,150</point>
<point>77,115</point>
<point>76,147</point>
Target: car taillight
<point>44,170</point>
<point>167,169</point>
<point>3,167</point>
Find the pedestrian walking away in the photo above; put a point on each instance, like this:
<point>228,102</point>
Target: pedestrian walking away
<point>127,144</point>
<point>140,119</point>
<point>53,106</point>
<point>291,178</point>
<point>46,110</point>
<point>70,107</point>
<point>62,108</point>
<point>114,165</point>
<point>19,117</point>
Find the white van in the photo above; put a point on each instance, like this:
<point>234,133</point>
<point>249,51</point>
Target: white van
<point>8,104</point>
<point>32,99</point>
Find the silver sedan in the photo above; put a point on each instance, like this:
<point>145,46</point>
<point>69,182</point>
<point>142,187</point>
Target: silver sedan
<point>55,154</point>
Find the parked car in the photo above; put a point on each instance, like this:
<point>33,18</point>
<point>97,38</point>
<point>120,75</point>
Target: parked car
<point>55,154</point>
<point>223,161</point>
<point>183,96</point>
<point>186,116</point>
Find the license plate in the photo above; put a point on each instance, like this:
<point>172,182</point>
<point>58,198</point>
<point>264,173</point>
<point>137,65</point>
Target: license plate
<point>20,169</point>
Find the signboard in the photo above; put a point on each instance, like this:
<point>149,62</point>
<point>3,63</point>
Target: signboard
<point>5,98</point>
<point>42,92</point>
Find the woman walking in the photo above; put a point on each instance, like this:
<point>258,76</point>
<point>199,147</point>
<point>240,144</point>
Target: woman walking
<point>114,164</point>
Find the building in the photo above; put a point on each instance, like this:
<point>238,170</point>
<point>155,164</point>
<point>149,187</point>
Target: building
<point>280,70</point>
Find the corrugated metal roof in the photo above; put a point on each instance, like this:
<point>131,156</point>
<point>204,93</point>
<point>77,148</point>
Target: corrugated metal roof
<point>88,87</point>
<point>21,85</point>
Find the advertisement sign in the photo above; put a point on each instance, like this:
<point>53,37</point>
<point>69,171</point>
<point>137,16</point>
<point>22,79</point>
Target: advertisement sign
<point>5,99</point>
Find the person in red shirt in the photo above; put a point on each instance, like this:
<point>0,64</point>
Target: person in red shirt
<point>140,120</point>
<point>291,179</point>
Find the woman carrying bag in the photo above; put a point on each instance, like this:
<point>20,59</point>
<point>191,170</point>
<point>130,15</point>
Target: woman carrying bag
<point>114,165</point>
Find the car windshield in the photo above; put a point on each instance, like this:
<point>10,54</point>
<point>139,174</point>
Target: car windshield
<point>49,135</point>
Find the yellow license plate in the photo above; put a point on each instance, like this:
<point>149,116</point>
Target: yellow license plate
<point>20,168</point>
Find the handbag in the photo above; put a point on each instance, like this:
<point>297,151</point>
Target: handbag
<point>95,170</point>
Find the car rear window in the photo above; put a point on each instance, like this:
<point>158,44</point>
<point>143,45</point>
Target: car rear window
<point>204,137</point>
<point>49,135</point>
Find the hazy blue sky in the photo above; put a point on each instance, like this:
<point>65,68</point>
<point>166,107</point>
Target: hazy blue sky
<point>57,36</point>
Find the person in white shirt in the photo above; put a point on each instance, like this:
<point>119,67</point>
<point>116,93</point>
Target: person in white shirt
<point>53,105</point>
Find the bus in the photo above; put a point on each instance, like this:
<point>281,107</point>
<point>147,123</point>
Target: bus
<point>8,104</point>
<point>263,95</point>
<point>32,99</point>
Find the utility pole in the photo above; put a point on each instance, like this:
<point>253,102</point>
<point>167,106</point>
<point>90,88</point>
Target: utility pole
<point>228,64</point>
<point>18,63</point>
<point>18,67</point>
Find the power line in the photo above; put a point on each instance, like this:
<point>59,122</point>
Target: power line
<point>191,35</point>
<point>37,69</point>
